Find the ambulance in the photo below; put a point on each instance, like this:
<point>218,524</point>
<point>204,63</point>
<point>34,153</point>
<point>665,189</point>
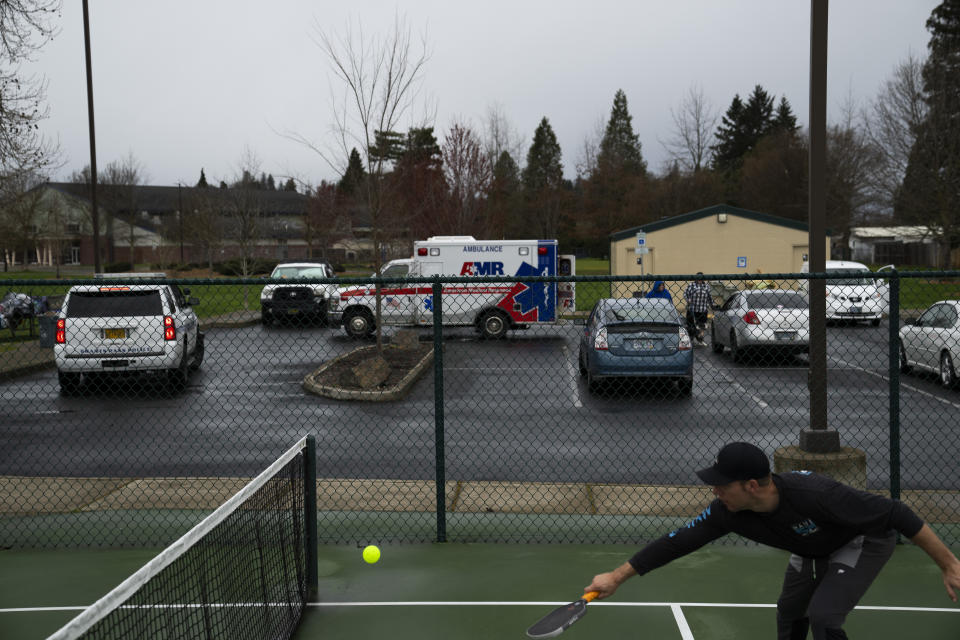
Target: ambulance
<point>492,308</point>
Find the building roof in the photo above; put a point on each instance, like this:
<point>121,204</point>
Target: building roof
<point>902,232</point>
<point>710,211</point>
<point>162,200</point>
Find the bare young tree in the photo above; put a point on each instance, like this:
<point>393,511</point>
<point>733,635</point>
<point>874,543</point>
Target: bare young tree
<point>381,78</point>
<point>892,122</point>
<point>25,26</point>
<point>694,119</point>
<point>501,136</point>
<point>120,180</point>
<point>587,162</point>
<point>469,170</point>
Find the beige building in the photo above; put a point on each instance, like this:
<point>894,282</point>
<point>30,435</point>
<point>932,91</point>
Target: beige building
<point>717,240</point>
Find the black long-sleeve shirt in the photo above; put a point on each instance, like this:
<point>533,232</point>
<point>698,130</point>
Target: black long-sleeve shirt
<point>815,516</point>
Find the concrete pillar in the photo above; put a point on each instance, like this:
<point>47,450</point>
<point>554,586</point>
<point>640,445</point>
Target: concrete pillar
<point>848,465</point>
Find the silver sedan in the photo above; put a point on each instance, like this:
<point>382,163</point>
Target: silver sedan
<point>769,319</point>
<point>932,341</point>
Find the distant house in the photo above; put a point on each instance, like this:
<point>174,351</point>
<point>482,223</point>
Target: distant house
<point>173,225</point>
<point>904,245</point>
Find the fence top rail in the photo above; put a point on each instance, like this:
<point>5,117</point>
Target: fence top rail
<point>447,279</point>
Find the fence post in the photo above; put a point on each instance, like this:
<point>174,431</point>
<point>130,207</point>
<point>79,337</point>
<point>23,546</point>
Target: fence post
<point>441,472</point>
<point>894,340</point>
<point>310,517</point>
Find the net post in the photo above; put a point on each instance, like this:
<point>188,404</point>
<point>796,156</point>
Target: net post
<point>310,518</point>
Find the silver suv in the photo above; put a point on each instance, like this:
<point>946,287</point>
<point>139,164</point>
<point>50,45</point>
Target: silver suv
<point>298,301</point>
<point>125,329</point>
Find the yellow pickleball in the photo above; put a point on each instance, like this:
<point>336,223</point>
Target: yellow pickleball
<point>371,553</point>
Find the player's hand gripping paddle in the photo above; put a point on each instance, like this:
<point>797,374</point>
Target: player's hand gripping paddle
<point>557,621</point>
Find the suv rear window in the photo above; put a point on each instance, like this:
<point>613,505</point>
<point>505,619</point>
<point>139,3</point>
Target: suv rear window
<point>107,304</point>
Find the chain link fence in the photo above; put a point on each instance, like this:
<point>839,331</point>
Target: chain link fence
<point>136,409</point>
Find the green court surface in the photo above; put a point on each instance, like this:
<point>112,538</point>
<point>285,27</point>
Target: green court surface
<point>468,591</point>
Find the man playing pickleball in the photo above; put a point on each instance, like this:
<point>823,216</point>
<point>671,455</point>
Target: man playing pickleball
<point>840,538</point>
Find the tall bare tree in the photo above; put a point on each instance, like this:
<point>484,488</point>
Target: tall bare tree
<point>25,26</point>
<point>380,77</point>
<point>500,135</point>
<point>120,180</point>
<point>469,172</point>
<point>694,119</point>
<point>891,124</point>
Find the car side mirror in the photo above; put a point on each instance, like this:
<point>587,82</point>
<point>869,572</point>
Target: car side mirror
<point>580,322</point>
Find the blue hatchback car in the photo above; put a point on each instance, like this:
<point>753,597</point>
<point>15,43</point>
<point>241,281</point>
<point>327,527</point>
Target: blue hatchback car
<point>636,338</point>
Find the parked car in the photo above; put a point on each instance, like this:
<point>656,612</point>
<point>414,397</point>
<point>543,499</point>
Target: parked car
<point>769,319</point>
<point>111,329</point>
<point>854,297</point>
<point>932,341</point>
<point>636,338</point>
<point>299,301</point>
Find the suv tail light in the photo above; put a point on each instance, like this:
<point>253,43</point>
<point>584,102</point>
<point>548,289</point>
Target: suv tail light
<point>61,335</point>
<point>600,340</point>
<point>169,330</point>
<point>751,317</point>
<point>684,344</point>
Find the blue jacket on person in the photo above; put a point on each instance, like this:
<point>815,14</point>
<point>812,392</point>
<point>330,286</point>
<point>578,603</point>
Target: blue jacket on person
<point>657,292</point>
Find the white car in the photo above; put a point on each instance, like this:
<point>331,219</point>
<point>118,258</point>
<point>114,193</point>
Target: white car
<point>852,296</point>
<point>119,329</point>
<point>298,301</point>
<point>768,319</point>
<point>932,341</point>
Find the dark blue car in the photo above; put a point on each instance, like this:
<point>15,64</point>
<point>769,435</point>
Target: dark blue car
<point>636,338</point>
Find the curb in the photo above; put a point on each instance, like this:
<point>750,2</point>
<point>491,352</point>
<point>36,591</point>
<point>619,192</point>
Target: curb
<point>394,393</point>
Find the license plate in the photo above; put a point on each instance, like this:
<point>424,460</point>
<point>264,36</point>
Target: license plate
<point>642,345</point>
<point>115,334</point>
<point>855,309</point>
<point>784,335</point>
<point>292,311</point>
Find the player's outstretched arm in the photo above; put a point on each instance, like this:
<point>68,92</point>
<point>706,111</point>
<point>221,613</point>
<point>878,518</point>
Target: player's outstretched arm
<point>606,583</point>
<point>927,540</point>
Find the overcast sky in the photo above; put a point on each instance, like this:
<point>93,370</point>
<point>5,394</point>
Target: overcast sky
<point>188,84</point>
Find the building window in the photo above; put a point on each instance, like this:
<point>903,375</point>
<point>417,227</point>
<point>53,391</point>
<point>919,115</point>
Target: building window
<point>73,227</point>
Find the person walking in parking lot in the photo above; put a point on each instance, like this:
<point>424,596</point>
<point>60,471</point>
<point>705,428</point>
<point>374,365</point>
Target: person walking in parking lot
<point>699,304</point>
<point>840,538</point>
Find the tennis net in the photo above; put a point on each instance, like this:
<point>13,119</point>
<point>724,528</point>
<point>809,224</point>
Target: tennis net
<point>246,571</point>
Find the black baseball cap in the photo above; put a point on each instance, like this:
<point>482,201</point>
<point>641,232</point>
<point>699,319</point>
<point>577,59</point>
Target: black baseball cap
<point>736,461</point>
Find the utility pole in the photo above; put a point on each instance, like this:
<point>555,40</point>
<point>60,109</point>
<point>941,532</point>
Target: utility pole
<point>818,438</point>
<point>93,143</point>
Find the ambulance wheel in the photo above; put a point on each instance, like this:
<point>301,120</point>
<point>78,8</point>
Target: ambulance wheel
<point>358,323</point>
<point>493,325</point>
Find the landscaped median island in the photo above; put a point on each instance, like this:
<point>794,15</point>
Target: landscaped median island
<point>363,374</point>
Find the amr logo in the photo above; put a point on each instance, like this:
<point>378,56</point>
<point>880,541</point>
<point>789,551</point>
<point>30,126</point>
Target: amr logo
<point>482,269</point>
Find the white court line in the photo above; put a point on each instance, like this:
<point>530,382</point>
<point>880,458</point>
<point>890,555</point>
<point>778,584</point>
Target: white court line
<point>685,632</point>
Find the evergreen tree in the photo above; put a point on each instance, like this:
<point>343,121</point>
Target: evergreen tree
<point>930,194</point>
<point>542,180</point>
<point>271,183</point>
<point>620,147</point>
<point>784,120</point>
<point>353,177</point>
<point>202,182</point>
<point>731,143</point>
<point>504,198</point>
<point>421,148</point>
<point>544,169</point>
<point>387,147</point>
<point>290,185</point>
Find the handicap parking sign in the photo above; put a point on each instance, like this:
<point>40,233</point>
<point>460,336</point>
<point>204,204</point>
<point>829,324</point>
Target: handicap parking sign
<point>742,262</point>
